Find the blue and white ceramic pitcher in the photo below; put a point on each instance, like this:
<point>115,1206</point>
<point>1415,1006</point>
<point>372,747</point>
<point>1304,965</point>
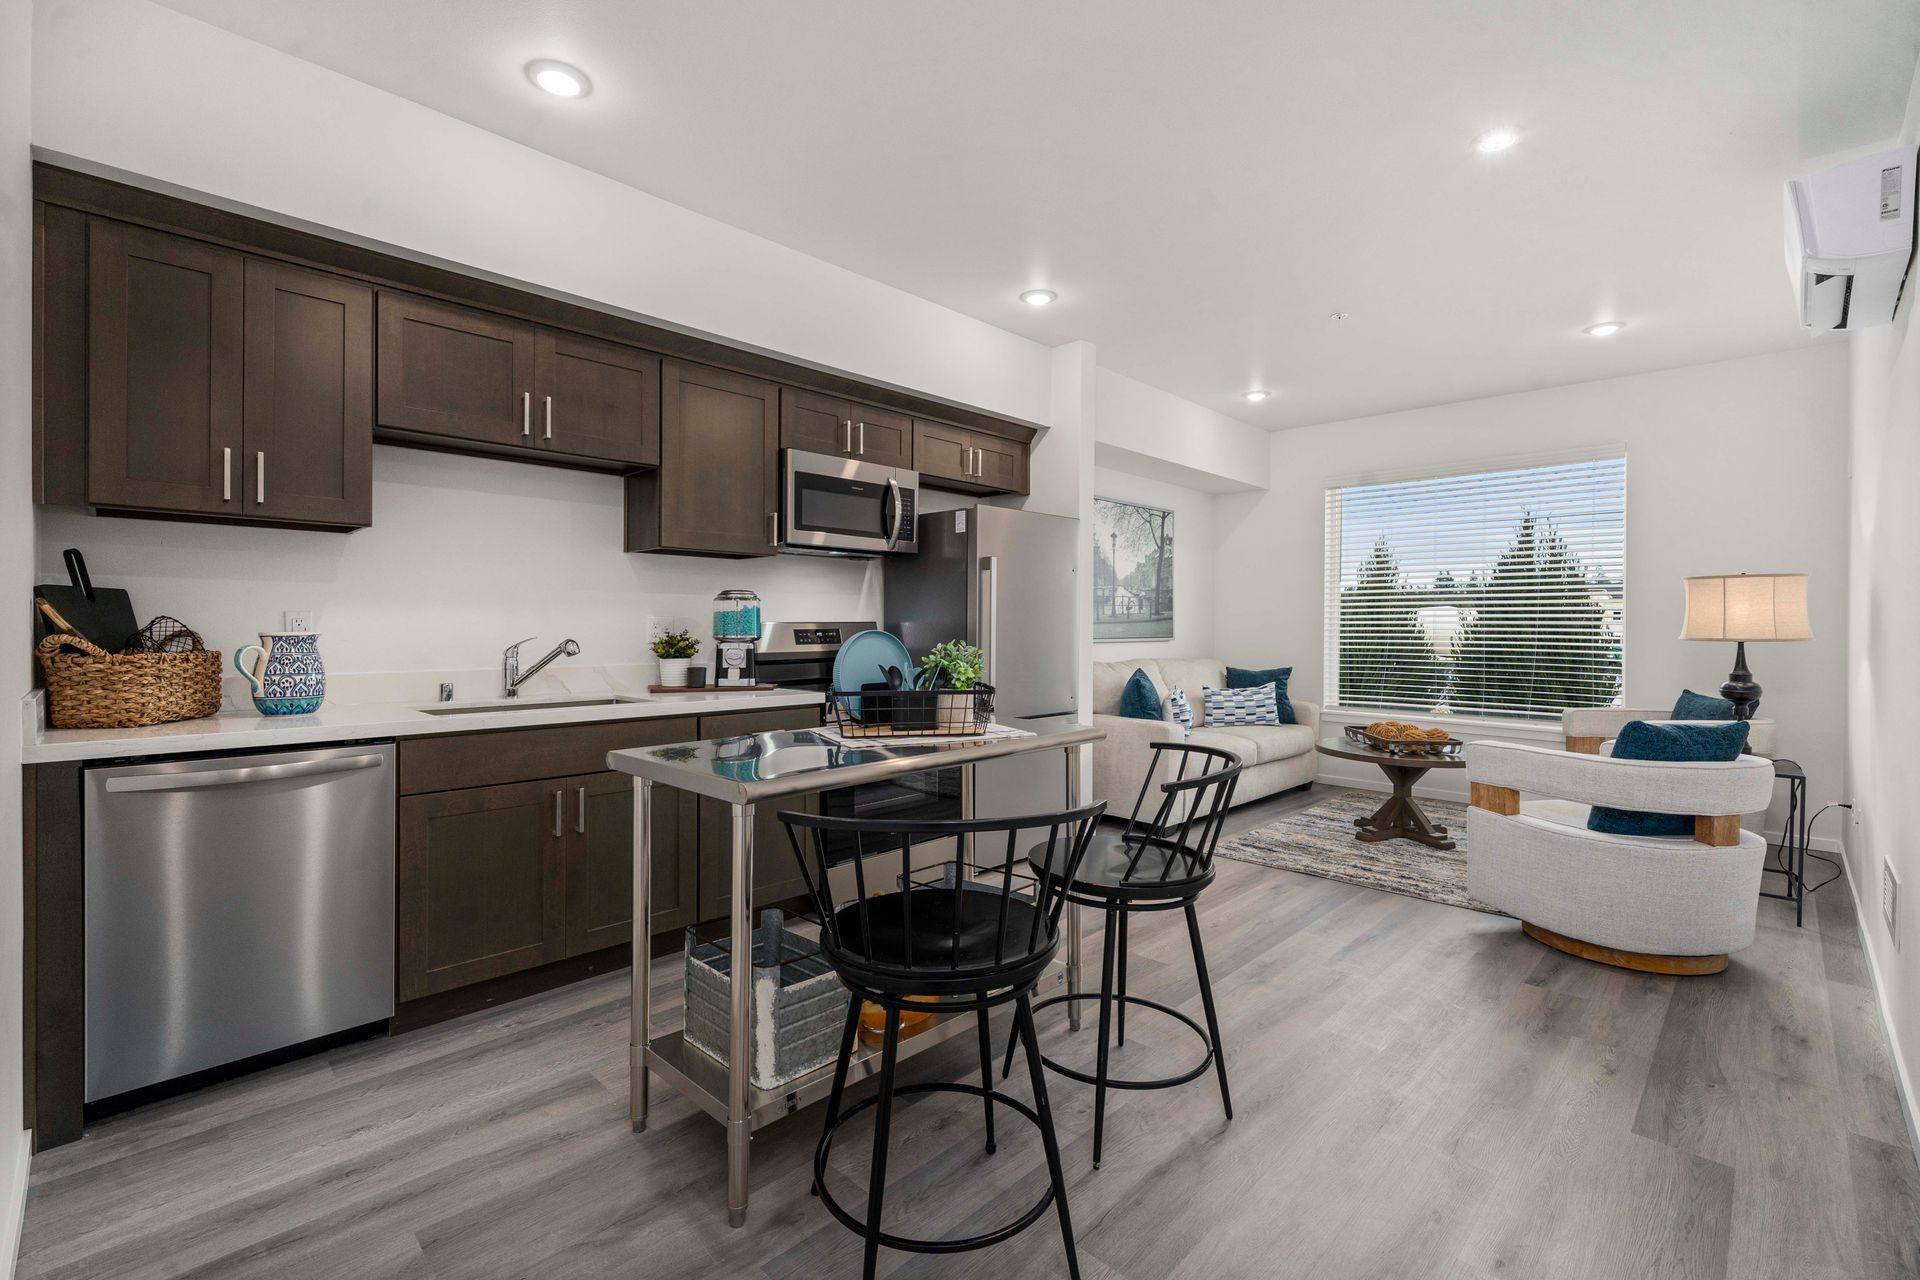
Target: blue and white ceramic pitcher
<point>285,672</point>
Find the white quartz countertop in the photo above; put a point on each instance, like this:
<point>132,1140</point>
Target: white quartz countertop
<point>248,730</point>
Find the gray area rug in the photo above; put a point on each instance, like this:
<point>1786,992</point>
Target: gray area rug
<point>1319,842</point>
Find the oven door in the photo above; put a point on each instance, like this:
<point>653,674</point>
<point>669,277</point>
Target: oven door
<point>837,504</point>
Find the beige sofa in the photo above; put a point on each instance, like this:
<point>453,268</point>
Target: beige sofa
<point>1278,757</point>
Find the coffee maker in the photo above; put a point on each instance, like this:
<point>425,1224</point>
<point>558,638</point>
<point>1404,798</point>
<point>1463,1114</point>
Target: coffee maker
<point>736,638</point>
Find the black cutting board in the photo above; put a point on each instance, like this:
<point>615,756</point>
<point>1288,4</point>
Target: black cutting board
<point>103,615</point>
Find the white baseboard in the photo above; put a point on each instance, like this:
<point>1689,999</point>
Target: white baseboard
<point>13,1199</point>
<point>1903,1081</point>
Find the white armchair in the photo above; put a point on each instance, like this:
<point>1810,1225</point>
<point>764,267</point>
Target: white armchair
<point>1660,904</point>
<point>1586,728</point>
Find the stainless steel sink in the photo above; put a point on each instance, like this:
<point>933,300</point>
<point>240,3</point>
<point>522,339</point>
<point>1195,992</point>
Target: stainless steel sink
<point>525,704</point>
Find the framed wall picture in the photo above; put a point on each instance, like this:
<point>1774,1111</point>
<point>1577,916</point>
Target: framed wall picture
<point>1132,571</point>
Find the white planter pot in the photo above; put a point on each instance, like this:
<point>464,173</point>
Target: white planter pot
<point>673,672</point>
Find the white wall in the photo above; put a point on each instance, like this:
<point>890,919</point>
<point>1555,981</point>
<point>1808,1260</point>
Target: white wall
<point>465,556</point>
<point>1193,555</point>
<point>1157,434</point>
<point>16,579</point>
<point>128,84</point>
<point>1884,681</point>
<point>1731,467</point>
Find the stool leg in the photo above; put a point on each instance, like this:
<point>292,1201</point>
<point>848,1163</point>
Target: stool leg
<point>1023,1031</point>
<point>1112,947</point>
<point>986,1075</point>
<point>1120,988</point>
<point>1206,1001</point>
<point>882,1125</point>
<point>839,1081</point>
<point>1013,1042</point>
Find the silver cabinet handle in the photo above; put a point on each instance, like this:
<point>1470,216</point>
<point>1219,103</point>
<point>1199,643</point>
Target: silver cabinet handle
<point>971,451</point>
<point>773,528</point>
<point>580,815</point>
<point>526,413</point>
<point>226,475</point>
<point>549,417</point>
<point>559,804</point>
<point>847,426</point>
<point>260,478</point>
<point>862,450</point>
<point>245,774</point>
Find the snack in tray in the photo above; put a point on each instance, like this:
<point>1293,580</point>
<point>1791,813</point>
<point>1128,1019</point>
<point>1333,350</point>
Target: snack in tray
<point>1401,731</point>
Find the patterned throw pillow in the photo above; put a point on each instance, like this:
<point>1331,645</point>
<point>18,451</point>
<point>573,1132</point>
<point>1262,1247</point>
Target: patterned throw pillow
<point>1245,678</point>
<point>1226,707</point>
<point>1182,711</point>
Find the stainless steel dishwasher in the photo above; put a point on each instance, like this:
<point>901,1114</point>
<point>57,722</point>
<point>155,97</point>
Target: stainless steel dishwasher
<point>234,905</point>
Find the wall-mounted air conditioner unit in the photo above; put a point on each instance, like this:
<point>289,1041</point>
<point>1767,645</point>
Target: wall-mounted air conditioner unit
<point>1850,239</point>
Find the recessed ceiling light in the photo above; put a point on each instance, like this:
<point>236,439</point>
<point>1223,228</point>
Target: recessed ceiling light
<point>1605,329</point>
<point>1038,297</point>
<point>1256,395</point>
<point>559,79</point>
<point>1495,140</point>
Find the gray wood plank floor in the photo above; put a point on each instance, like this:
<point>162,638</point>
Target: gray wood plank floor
<point>1420,1091</point>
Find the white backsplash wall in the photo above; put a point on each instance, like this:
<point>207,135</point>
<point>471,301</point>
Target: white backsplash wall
<point>465,556</point>
<point>1192,569</point>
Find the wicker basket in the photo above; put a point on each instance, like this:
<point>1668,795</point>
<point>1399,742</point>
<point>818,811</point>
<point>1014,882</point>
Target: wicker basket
<point>89,688</point>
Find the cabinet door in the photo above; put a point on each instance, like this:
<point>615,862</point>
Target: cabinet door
<point>882,436</point>
<point>482,884</point>
<point>716,490</point>
<point>600,861</point>
<point>999,464</point>
<point>164,342</point>
<point>776,872</point>
<point>816,423</point>
<point>447,371</point>
<point>308,407</point>
<point>942,452</point>
<point>596,400</point>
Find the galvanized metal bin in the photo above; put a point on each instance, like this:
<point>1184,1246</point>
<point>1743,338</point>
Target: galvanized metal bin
<point>799,1005</point>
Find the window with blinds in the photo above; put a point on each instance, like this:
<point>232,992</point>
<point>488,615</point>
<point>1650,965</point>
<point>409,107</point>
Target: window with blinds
<point>1494,593</point>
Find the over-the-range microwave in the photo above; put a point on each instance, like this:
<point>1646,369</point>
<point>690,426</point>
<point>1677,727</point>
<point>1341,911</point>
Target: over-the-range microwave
<point>839,506</point>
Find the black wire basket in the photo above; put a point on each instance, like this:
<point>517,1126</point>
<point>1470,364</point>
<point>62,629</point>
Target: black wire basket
<point>876,711</point>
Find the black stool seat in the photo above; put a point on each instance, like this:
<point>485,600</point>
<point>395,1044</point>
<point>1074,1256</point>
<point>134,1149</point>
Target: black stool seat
<point>980,937</point>
<point>1117,866</point>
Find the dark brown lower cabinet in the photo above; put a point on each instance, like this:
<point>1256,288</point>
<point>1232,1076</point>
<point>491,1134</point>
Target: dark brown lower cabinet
<point>600,861</point>
<point>482,884</point>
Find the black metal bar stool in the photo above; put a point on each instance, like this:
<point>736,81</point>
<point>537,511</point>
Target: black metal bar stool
<point>1160,864</point>
<point>969,934</point>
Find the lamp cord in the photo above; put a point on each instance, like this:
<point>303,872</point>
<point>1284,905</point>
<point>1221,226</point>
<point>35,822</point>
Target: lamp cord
<point>1780,851</point>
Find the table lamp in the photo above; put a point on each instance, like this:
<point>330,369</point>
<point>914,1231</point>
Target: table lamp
<point>1743,607</point>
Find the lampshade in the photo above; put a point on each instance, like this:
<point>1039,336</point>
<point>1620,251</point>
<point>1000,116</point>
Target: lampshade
<point>1747,606</point>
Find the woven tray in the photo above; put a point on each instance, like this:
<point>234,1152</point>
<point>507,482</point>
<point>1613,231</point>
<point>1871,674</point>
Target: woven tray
<point>89,688</point>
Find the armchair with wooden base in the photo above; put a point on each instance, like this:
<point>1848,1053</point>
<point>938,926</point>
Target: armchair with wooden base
<point>1659,904</point>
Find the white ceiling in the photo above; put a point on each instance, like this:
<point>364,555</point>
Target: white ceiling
<point>1205,182</point>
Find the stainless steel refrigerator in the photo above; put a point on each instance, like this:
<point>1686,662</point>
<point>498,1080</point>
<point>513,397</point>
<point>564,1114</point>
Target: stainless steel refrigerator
<point>1007,581</point>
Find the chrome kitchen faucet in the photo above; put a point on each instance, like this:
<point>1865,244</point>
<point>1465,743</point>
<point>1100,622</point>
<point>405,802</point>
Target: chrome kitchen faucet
<point>516,677</point>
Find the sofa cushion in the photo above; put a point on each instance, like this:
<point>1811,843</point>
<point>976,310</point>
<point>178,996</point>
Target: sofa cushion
<point>1245,747</point>
<point>1641,740</point>
<point>1140,700</point>
<point>1243,678</point>
<point>1110,678</point>
<point>1191,674</point>
<point>1275,741</point>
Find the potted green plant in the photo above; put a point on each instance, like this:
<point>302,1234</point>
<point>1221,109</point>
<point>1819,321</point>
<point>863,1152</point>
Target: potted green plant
<point>675,650</point>
<point>953,669</point>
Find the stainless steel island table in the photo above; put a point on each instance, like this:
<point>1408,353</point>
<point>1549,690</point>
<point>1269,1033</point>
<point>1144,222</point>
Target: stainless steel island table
<point>745,772</point>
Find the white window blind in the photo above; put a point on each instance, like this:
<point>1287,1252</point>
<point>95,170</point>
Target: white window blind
<point>1497,593</point>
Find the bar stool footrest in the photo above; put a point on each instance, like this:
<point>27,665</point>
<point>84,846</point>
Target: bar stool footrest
<point>1168,1082</point>
<point>911,1244</point>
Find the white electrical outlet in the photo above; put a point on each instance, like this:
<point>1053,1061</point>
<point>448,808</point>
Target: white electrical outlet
<point>1890,900</point>
<point>657,627</point>
<point>297,620</point>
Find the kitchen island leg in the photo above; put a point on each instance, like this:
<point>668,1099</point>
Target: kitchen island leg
<point>640,1021</point>
<point>1074,976</point>
<point>740,1043</point>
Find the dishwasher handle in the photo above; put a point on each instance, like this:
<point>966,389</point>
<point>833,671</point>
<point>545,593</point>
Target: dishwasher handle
<point>243,775</point>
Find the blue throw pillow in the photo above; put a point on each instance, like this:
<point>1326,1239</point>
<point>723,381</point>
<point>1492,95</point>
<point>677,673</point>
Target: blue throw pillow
<point>1702,706</point>
<point>1639,740</point>
<point>1243,678</point>
<point>1140,700</point>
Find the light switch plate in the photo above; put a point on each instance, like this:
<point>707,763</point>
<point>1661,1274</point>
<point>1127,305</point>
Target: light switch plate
<point>297,620</point>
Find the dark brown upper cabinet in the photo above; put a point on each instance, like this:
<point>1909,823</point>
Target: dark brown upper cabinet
<point>950,457</point>
<point>716,491</point>
<point>459,374</point>
<point>844,429</point>
<point>596,400</point>
<point>165,326</point>
<point>308,404</point>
